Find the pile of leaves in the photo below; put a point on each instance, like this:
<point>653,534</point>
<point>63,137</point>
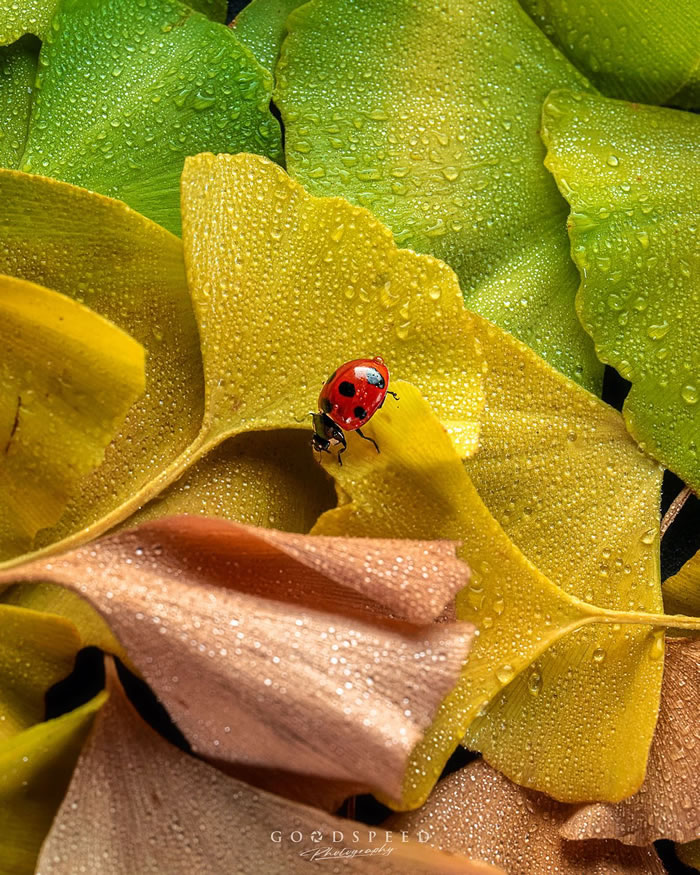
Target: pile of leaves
<point>215,646</point>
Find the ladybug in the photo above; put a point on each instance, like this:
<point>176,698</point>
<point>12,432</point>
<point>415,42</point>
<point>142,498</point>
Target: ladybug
<point>350,397</point>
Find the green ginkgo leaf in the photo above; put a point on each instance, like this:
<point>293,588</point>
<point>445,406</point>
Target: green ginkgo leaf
<point>18,64</point>
<point>126,91</point>
<point>567,538</point>
<point>261,25</point>
<point>649,53</point>
<point>429,116</point>
<point>630,175</point>
<point>67,379</point>
<point>35,771</point>
<point>130,271</point>
<point>34,16</point>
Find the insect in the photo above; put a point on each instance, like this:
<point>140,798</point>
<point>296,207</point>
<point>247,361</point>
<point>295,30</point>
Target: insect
<point>350,397</point>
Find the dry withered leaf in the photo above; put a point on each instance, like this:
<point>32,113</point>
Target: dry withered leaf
<point>479,812</point>
<point>667,805</point>
<point>137,804</point>
<point>273,649</point>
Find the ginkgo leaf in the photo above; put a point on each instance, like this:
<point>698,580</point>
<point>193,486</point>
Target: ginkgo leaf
<point>36,651</point>
<point>89,625</point>
<point>480,813</point>
<point>223,823</point>
<point>629,174</point>
<point>314,282</point>
<point>526,658</point>
<point>18,64</point>
<point>34,16</point>
<point>265,478</point>
<point>682,591</point>
<point>130,271</point>
<point>35,771</point>
<point>261,25</point>
<point>429,116</point>
<point>667,805</point>
<point>648,54</point>
<point>118,108</point>
<point>67,379</point>
<point>271,649</point>
<point>269,266</point>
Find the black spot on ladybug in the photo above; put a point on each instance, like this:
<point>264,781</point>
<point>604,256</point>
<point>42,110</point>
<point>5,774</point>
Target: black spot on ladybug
<point>326,405</point>
<point>347,389</point>
<point>374,378</point>
<point>360,412</point>
<point>331,378</point>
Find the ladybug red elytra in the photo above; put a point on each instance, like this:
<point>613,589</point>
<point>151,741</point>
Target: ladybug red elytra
<point>350,397</point>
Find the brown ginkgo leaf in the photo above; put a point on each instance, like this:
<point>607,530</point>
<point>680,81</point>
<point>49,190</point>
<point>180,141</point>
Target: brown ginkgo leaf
<point>480,813</point>
<point>138,804</point>
<point>667,805</point>
<point>280,650</point>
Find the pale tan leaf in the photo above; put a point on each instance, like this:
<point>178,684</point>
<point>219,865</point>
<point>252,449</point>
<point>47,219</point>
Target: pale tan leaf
<point>277,650</point>
<point>138,805</point>
<point>479,812</point>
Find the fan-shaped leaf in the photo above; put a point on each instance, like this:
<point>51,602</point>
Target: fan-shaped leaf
<point>630,175</point>
<point>67,379</point>
<point>429,115</point>
<point>528,678</point>
<point>127,90</point>
<point>648,53</point>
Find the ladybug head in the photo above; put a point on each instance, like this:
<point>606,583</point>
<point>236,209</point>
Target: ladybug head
<point>326,432</point>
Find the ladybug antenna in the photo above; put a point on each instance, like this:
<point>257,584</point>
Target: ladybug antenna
<point>310,413</point>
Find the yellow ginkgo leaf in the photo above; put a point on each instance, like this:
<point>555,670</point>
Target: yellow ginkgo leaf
<point>36,651</point>
<point>682,591</point>
<point>35,771</point>
<point>264,478</point>
<point>67,379</point>
<point>130,271</point>
<point>285,288</point>
<point>417,487</point>
<point>90,628</point>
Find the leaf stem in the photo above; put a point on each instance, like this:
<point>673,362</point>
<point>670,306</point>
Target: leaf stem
<point>675,508</point>
<point>641,618</point>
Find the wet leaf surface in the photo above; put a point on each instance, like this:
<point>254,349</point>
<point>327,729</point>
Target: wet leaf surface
<point>242,276</point>
<point>18,64</point>
<point>162,801</point>
<point>529,675</point>
<point>261,25</point>
<point>36,651</point>
<point>35,770</point>
<point>630,175</point>
<point>682,591</point>
<point>230,625</point>
<point>667,806</point>
<point>34,16</point>
<point>649,54</point>
<point>67,379</point>
<point>480,813</point>
<point>429,116</point>
<point>265,478</point>
<point>126,91</point>
<point>131,272</point>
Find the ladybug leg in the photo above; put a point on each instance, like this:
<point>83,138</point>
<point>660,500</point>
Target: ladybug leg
<point>365,438</point>
<point>393,394</point>
<point>340,453</point>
